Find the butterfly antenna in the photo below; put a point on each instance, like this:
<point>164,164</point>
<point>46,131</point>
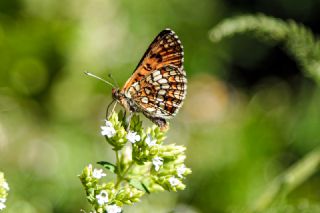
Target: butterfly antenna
<point>101,79</point>
<point>114,81</point>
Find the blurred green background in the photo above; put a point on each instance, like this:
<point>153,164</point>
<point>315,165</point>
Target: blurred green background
<point>249,113</point>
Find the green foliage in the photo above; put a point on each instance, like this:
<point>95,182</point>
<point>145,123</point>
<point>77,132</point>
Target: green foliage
<point>289,180</point>
<point>144,167</point>
<point>112,168</point>
<point>304,47</point>
<point>298,40</point>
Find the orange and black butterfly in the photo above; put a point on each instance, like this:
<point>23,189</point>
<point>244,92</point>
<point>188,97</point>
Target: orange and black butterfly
<point>158,85</point>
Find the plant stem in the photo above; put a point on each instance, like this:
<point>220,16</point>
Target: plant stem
<point>127,170</point>
<point>119,178</point>
<point>117,158</point>
<point>289,180</point>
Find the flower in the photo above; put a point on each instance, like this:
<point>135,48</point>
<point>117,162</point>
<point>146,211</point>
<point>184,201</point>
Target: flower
<point>5,185</point>
<point>133,137</point>
<point>102,198</point>
<point>113,209</point>
<point>89,166</point>
<point>2,206</point>
<point>149,141</point>
<point>108,130</point>
<point>180,170</point>
<point>157,162</point>
<point>98,173</point>
<point>174,181</point>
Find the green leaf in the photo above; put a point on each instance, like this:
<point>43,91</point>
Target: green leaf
<point>145,188</point>
<point>139,185</point>
<point>111,167</point>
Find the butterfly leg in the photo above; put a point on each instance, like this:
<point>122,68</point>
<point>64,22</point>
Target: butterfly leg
<point>108,115</point>
<point>128,120</point>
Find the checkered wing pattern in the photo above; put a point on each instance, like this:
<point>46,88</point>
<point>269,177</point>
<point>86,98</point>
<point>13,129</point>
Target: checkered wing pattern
<point>161,93</point>
<point>166,49</point>
<point>158,86</point>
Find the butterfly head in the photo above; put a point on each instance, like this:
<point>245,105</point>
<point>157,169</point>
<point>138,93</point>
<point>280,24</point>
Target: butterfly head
<point>116,93</point>
<point>125,101</point>
<point>119,96</point>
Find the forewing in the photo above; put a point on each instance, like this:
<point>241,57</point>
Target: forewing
<point>161,93</point>
<point>166,49</point>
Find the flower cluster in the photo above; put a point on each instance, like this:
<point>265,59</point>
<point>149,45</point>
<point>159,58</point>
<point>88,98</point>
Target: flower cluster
<point>143,165</point>
<point>105,196</point>
<point>4,188</point>
<point>114,132</point>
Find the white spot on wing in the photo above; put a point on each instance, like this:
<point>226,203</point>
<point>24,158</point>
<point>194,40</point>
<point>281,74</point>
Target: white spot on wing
<point>163,81</point>
<point>149,79</point>
<point>150,109</point>
<point>173,72</point>
<point>165,86</point>
<point>177,94</point>
<point>157,78</point>
<point>156,73</point>
<point>137,86</point>
<point>144,100</point>
<point>160,99</point>
<point>162,92</point>
<point>147,91</point>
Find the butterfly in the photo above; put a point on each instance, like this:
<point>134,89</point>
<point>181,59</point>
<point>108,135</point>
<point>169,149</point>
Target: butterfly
<point>158,85</point>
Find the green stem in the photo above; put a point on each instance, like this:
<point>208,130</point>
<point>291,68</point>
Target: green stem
<point>121,176</point>
<point>128,169</point>
<point>117,158</point>
<point>289,180</point>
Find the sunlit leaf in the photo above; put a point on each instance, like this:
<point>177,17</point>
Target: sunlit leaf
<point>111,167</point>
<point>139,185</point>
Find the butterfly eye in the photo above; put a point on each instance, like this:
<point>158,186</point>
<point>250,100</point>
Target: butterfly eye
<point>115,93</point>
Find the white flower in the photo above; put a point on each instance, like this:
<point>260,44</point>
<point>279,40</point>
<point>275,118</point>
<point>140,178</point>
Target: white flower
<point>2,200</point>
<point>5,185</point>
<point>157,162</point>
<point>98,173</point>
<point>89,167</point>
<point>174,181</point>
<point>102,198</point>
<point>2,206</point>
<point>113,209</point>
<point>150,142</point>
<point>181,170</point>
<point>133,137</point>
<point>108,130</point>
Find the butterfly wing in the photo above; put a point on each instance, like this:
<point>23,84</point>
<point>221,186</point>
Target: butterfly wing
<point>166,49</point>
<point>160,94</point>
